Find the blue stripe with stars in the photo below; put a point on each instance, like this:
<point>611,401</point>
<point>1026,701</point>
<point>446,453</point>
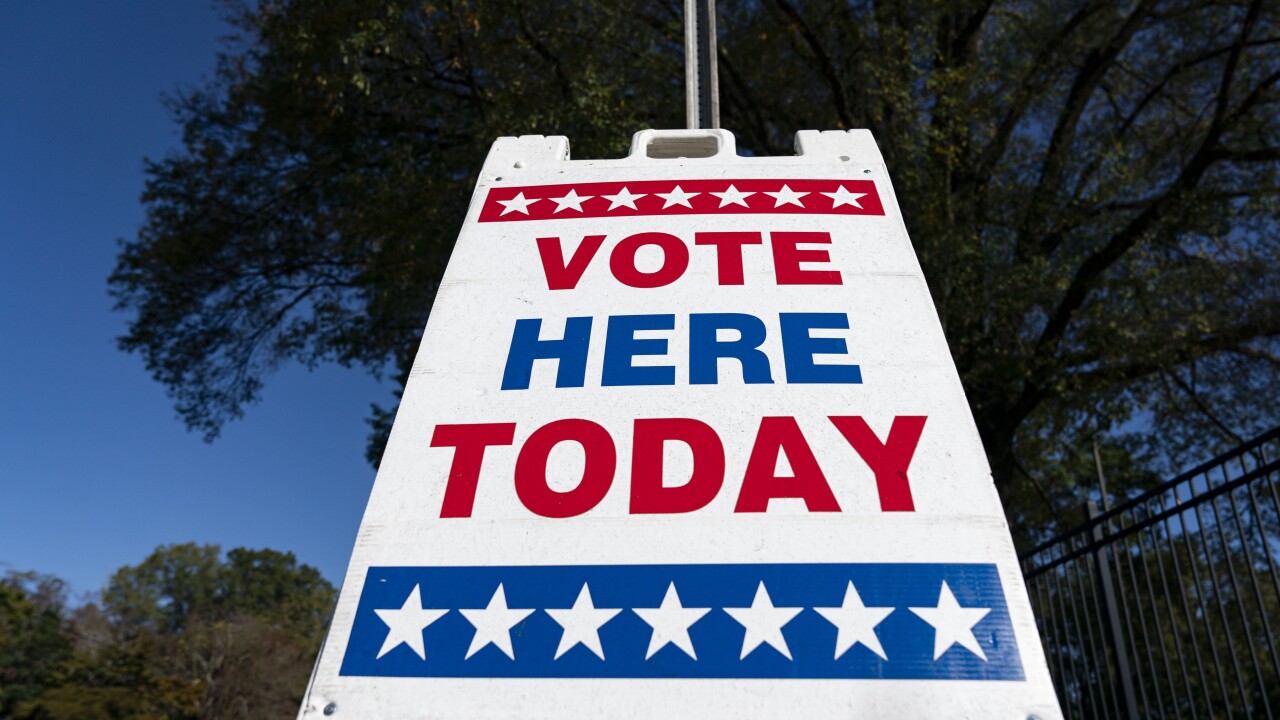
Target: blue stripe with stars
<point>927,619</point>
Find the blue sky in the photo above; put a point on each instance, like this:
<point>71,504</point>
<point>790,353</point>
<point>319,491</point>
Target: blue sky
<point>95,469</point>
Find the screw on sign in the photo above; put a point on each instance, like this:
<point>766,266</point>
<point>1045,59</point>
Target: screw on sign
<point>683,439</point>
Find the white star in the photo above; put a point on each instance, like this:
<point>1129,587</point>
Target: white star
<point>571,200</point>
<point>406,624</point>
<point>519,204</point>
<point>671,622</point>
<point>786,196</point>
<point>677,197</point>
<point>582,623</point>
<point>952,624</point>
<point>763,623</point>
<point>493,624</point>
<point>855,623</point>
<point>844,197</point>
<point>733,196</point>
<point>624,197</point>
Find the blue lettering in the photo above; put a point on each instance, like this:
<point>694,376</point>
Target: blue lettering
<point>705,350</point>
<point>798,349</point>
<point>621,345</point>
<point>570,351</point>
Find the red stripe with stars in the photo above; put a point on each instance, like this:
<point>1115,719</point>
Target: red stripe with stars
<point>683,197</point>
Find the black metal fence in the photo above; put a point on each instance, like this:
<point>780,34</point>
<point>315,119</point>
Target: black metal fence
<point>1169,605</point>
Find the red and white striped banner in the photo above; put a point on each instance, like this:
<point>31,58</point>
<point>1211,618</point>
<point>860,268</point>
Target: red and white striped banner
<point>683,197</point>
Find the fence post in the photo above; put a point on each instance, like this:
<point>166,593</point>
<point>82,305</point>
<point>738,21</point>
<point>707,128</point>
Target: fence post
<point>1115,629</point>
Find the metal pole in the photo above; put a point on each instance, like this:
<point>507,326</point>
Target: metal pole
<point>1112,613</point>
<point>701,76</point>
<point>1102,479</point>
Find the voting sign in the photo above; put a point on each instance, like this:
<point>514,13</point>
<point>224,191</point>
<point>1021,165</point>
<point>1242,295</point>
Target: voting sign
<point>683,439</point>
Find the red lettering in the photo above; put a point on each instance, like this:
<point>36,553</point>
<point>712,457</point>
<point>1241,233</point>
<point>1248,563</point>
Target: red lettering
<point>787,258</point>
<point>675,260</point>
<point>469,442</point>
<point>648,494</point>
<point>760,485</point>
<point>728,247</point>
<point>562,275</point>
<point>888,460</point>
<point>597,475</point>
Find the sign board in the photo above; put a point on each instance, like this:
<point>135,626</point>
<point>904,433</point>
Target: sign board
<point>683,439</point>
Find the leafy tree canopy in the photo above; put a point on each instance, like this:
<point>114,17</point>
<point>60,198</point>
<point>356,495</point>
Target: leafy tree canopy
<point>32,644</point>
<point>186,634</point>
<point>178,585</point>
<point>1091,188</point>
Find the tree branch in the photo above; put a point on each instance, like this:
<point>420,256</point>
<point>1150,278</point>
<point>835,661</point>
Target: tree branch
<point>1203,407</point>
<point>1028,89</point>
<point>1264,323</point>
<point>1087,79</point>
<point>826,68</point>
<point>1092,268</point>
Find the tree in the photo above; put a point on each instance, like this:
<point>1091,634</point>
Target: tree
<point>1091,188</point>
<point>32,645</point>
<point>186,633</point>
<point>166,591</point>
<point>231,638</point>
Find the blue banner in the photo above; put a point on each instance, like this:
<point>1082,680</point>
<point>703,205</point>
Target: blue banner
<point>869,621</point>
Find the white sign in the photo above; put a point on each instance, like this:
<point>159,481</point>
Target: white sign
<point>683,439</point>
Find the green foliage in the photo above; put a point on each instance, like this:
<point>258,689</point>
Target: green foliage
<point>166,590</point>
<point>273,588</point>
<point>179,585</point>
<point>186,633</point>
<point>1091,188</point>
<point>32,645</point>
